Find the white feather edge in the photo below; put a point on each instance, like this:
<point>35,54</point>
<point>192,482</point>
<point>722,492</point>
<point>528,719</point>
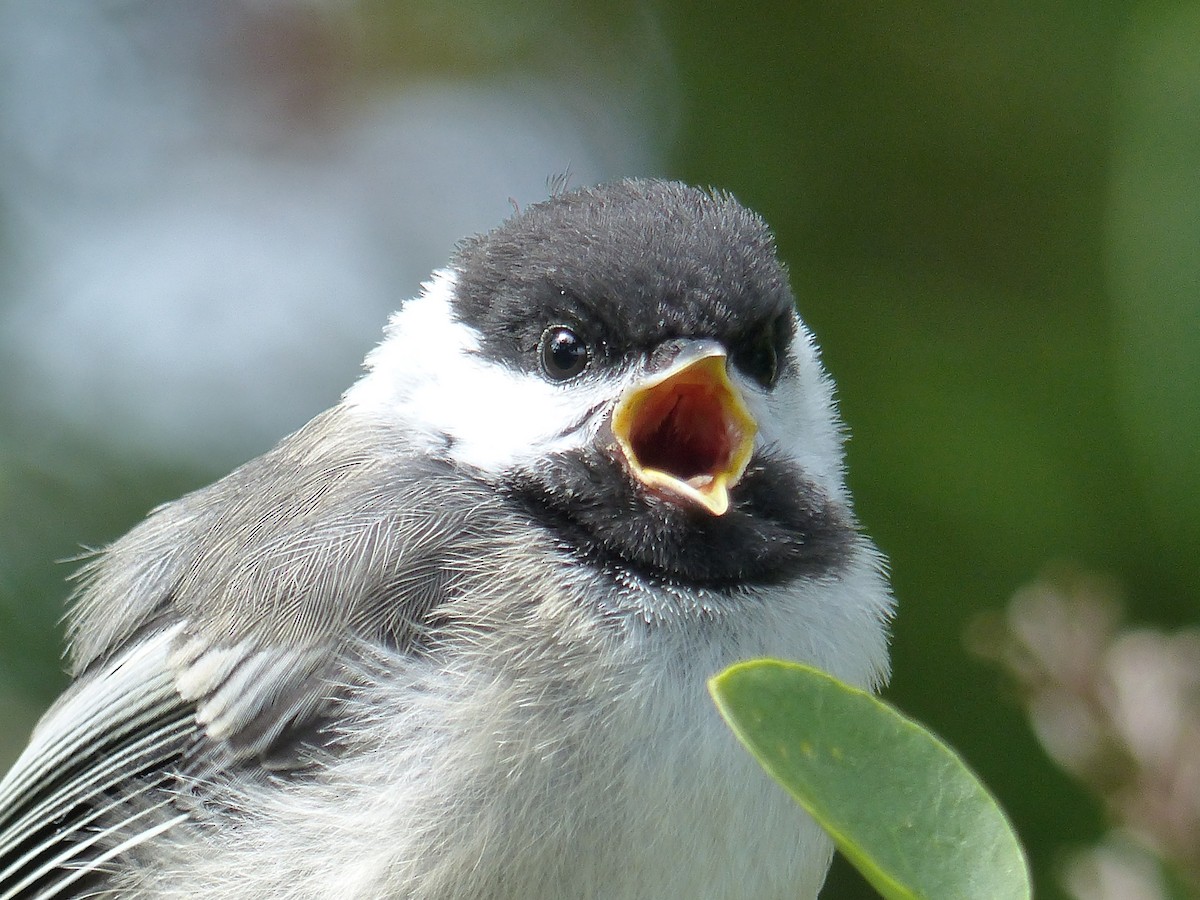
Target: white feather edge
<point>128,693</point>
<point>233,685</point>
<point>129,690</point>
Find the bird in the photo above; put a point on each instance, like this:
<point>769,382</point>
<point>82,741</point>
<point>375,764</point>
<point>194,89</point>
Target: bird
<point>450,639</point>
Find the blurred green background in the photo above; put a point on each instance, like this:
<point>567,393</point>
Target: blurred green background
<point>991,213</point>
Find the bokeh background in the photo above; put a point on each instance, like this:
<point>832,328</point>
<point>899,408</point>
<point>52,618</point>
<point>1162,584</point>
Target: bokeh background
<point>991,213</point>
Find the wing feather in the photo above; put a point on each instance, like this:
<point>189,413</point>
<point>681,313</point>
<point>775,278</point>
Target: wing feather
<point>209,643</point>
<point>65,803</point>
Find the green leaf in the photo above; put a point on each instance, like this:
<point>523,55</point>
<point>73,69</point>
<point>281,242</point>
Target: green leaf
<point>899,803</point>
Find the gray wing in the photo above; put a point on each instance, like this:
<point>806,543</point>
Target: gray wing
<point>109,742</point>
<point>112,765</point>
<point>214,635</point>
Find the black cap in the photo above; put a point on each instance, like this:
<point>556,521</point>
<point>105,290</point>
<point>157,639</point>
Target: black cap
<point>630,264</point>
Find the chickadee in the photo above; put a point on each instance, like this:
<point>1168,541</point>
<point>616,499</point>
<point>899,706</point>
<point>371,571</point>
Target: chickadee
<point>450,639</point>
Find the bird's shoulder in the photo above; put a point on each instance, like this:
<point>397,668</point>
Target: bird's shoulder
<point>212,640</point>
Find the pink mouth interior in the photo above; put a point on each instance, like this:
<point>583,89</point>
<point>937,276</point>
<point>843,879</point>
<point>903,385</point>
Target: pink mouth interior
<point>682,429</point>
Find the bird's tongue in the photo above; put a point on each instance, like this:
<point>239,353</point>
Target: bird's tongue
<point>687,434</point>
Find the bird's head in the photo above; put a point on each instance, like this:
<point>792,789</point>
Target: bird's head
<point>626,362</point>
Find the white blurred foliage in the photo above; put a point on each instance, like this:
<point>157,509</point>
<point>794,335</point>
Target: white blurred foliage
<point>196,261</point>
<point>1119,709</point>
<point>1115,869</point>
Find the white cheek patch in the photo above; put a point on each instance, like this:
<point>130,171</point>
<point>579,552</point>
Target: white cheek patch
<point>429,377</point>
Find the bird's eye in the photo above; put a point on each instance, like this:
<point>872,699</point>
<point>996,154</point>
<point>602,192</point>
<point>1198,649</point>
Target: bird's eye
<point>564,354</point>
<point>758,356</point>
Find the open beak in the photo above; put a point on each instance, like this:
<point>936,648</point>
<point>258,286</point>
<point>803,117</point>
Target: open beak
<point>685,432</point>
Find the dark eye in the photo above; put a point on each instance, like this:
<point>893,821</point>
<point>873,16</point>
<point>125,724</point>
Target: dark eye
<point>564,354</point>
<point>757,354</point>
